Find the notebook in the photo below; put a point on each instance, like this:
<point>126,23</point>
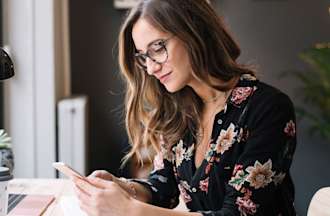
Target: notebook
<point>70,206</point>
<point>28,205</point>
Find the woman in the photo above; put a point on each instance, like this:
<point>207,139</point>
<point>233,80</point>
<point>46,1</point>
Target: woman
<point>224,140</point>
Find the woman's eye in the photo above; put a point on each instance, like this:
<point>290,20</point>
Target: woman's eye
<point>157,49</point>
<point>157,45</point>
<point>160,49</point>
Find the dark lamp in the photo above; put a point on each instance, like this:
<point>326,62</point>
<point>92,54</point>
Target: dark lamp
<point>6,65</point>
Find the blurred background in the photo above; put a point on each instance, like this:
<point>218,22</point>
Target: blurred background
<point>66,99</point>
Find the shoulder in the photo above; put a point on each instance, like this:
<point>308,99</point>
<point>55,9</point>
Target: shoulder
<point>267,95</point>
<point>268,102</point>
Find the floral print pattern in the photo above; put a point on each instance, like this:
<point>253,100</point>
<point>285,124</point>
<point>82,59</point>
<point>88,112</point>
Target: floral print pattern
<point>240,94</point>
<point>248,77</point>
<point>245,205</point>
<point>165,151</point>
<point>184,187</point>
<point>243,165</point>
<point>225,139</point>
<point>243,135</point>
<point>238,178</point>
<point>204,185</point>
<point>260,175</point>
<point>181,153</point>
<point>278,179</point>
<point>158,161</point>
<point>290,129</point>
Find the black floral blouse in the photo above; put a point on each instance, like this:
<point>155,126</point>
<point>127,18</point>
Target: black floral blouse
<point>246,168</point>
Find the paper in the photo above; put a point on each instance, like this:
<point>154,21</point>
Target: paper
<point>70,206</point>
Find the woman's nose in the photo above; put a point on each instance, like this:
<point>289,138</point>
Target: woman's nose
<point>152,66</point>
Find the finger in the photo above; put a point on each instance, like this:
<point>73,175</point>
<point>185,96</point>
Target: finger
<point>101,174</point>
<point>84,199</point>
<point>101,183</point>
<point>86,209</point>
<point>97,173</point>
<point>86,186</point>
<point>79,191</point>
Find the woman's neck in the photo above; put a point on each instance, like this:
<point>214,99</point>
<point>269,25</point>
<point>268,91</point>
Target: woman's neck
<point>210,96</point>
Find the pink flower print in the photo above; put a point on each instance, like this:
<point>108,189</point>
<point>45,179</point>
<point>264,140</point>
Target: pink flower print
<point>183,192</point>
<point>158,161</point>
<point>290,129</point>
<point>204,185</point>
<point>246,206</point>
<point>239,94</point>
<point>237,168</point>
<point>238,180</point>
<point>208,168</point>
<point>247,193</point>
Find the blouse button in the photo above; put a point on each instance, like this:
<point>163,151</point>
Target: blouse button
<point>219,121</point>
<point>193,190</point>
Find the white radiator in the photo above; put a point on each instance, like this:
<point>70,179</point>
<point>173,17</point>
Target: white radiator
<point>72,132</point>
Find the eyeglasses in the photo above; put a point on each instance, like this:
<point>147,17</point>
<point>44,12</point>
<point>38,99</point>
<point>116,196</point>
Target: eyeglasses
<point>156,51</point>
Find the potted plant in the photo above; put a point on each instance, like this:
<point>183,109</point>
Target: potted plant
<point>315,89</point>
<point>6,153</point>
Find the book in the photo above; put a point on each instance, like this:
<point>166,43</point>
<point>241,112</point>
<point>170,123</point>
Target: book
<point>28,204</point>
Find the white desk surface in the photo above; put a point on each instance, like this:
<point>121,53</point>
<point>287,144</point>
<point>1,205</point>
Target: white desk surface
<point>57,187</point>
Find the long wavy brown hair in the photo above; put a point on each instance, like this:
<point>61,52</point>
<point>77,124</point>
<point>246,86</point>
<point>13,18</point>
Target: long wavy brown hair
<point>153,112</point>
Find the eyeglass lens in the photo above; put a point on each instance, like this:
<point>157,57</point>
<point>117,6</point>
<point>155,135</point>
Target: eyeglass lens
<point>156,52</point>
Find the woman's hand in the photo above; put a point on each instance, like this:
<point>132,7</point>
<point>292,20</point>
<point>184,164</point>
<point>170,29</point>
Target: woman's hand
<point>103,174</point>
<point>100,197</point>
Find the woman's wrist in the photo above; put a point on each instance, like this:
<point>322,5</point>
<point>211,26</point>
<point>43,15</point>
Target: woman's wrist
<point>129,187</point>
<point>134,189</point>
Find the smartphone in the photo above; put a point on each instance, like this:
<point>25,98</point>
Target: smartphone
<point>67,170</point>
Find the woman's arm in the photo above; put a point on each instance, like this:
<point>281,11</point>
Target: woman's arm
<point>99,197</point>
<point>136,190</point>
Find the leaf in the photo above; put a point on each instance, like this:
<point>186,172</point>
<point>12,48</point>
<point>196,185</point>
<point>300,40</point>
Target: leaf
<point>314,89</point>
<point>4,140</point>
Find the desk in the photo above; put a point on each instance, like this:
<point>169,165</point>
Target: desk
<point>56,187</point>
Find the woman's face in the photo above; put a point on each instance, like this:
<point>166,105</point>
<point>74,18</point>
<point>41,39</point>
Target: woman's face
<point>176,72</point>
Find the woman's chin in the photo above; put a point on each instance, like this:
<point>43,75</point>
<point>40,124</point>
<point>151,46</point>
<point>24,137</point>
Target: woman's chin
<point>172,88</point>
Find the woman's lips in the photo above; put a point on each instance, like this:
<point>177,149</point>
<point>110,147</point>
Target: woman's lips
<point>164,77</point>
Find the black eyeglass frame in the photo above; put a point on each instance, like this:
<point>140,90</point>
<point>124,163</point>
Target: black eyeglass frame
<point>147,55</point>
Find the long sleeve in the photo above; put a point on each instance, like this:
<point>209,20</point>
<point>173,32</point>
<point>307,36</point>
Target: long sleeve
<point>261,172</point>
<point>161,182</point>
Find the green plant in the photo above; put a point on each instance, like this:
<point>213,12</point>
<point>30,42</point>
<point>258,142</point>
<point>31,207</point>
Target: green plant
<point>315,89</point>
<point>5,140</point>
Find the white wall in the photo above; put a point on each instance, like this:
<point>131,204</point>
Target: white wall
<point>35,31</point>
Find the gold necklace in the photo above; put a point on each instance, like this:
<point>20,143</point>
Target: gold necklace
<point>201,131</point>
